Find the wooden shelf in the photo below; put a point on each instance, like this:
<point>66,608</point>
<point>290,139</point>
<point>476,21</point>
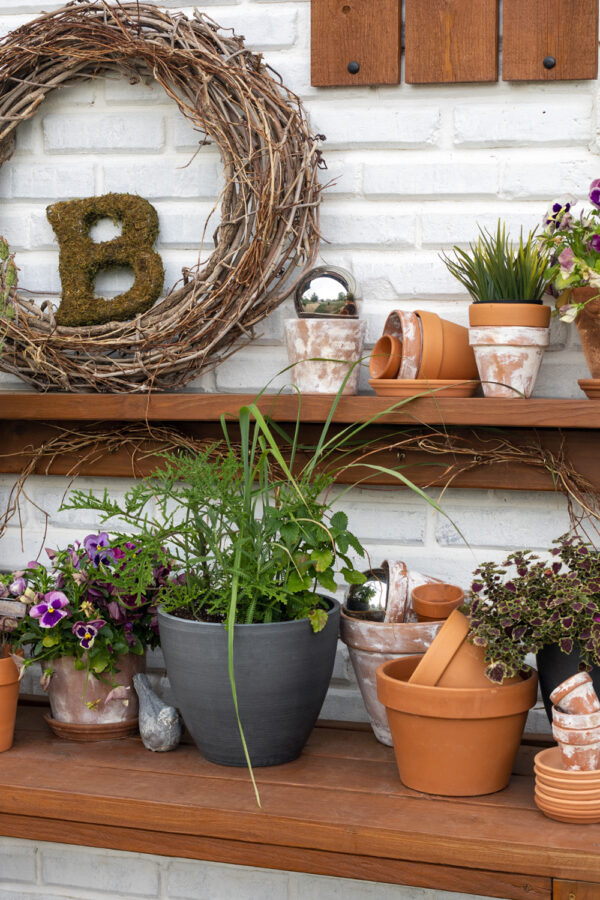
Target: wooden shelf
<point>189,407</point>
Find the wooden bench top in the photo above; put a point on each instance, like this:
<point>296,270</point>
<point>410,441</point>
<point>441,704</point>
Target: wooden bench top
<point>338,810</point>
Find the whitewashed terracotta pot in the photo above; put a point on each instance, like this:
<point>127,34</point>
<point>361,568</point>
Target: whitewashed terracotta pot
<point>313,344</point>
<point>508,358</point>
<point>372,643</point>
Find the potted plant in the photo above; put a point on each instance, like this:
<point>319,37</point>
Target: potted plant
<point>527,605</point>
<point>508,320</point>
<point>89,635</point>
<point>9,681</point>
<point>574,243</point>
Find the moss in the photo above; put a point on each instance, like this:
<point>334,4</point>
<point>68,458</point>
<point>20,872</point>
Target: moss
<point>81,258</point>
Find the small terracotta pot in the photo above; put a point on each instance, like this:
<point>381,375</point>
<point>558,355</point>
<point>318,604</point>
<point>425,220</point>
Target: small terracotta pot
<point>404,326</point>
<point>572,720</point>
<point>529,315</point>
<point>323,351</point>
<point>579,747</point>
<point>452,661</point>
<point>386,357</point>
<point>576,695</point>
<point>588,324</point>
<point>446,353</point>
<point>372,643</point>
<point>433,602</point>
<point>549,766</point>
<point>71,690</point>
<point>9,694</point>
<point>508,359</point>
<point>453,741</point>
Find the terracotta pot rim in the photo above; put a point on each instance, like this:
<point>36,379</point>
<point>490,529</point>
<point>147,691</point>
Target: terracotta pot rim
<point>577,721</point>
<point>569,685</point>
<point>440,702</point>
<point>508,336</point>
<point>386,357</point>
<point>549,762</point>
<point>389,631</point>
<point>436,608</point>
<point>509,313</point>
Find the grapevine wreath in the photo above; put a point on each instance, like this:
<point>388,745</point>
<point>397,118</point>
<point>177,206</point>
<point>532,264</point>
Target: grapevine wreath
<point>268,233</point>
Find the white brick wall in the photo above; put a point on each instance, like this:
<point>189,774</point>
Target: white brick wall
<point>412,169</point>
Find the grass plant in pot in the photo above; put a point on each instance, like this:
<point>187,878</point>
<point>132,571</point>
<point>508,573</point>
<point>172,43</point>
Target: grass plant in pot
<point>574,245</point>
<point>508,320</point>
<point>528,605</point>
<point>89,635</point>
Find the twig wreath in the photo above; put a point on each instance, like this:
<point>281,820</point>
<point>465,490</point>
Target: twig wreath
<point>268,234</point>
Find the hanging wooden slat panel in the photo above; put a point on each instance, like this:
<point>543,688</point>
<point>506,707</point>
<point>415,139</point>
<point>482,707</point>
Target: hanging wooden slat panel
<point>451,41</point>
<point>549,40</point>
<point>346,34</point>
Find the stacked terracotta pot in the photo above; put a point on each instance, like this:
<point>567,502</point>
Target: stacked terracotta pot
<point>455,733</point>
<point>419,351</point>
<point>567,777</point>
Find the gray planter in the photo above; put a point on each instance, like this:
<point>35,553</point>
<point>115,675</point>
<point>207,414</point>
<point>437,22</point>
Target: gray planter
<point>282,673</point>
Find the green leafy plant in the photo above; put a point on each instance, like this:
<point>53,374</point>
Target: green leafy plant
<point>8,284</point>
<point>527,604</point>
<point>495,269</point>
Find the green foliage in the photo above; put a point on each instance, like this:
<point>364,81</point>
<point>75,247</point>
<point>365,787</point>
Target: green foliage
<point>494,269</point>
<point>527,604</point>
<point>8,283</point>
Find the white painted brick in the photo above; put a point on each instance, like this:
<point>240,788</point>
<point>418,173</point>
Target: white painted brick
<point>261,31</point>
<point>166,178</point>
<point>323,887</point>
<point>17,860</point>
<point>123,91</point>
<point>548,121</point>
<point>376,514</point>
<point>15,227</point>
<point>26,135</point>
<point>513,519</point>
<point>187,136</point>
<point>211,881</point>
<point>404,274</point>
<point>11,23</point>
<point>109,872</point>
<point>442,226</point>
<point>545,176</point>
<point>48,180</point>
<point>365,123</point>
<point>341,177</point>
<point>259,365</point>
<point>352,225</point>
<point>96,133</point>
<point>443,177</point>
<point>183,225</point>
<point>559,374</point>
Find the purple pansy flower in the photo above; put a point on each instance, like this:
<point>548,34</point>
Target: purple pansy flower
<point>87,631</point>
<point>94,545</point>
<point>595,192</point>
<point>51,610</point>
<point>595,243</point>
<point>567,260</point>
<point>18,587</point>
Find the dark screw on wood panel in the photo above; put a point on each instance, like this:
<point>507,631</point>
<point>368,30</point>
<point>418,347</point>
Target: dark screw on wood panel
<point>549,62</point>
<point>353,67</point>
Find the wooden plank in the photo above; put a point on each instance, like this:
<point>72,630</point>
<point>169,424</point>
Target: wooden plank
<point>298,812</point>
<point>364,32</point>
<point>575,890</point>
<point>340,865</point>
<point>537,30</point>
<point>536,413</point>
<point>450,41</point>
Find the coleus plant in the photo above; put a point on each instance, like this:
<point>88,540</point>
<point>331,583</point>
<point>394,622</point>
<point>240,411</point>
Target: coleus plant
<point>75,607</point>
<point>527,604</point>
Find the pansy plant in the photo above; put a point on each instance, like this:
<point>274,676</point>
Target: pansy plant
<point>574,244</point>
<point>528,603</point>
<point>76,607</point>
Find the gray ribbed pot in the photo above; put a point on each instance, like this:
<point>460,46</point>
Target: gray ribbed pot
<point>282,673</point>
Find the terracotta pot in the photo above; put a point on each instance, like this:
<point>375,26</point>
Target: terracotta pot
<point>71,690</point>
<point>453,741</point>
<point>528,315</point>
<point>386,357</point>
<point>579,747</point>
<point>372,643</point>
<point>549,765</point>
<point>9,693</point>
<point>576,695</point>
<point>508,359</point>
<point>446,354</point>
<point>324,351</point>
<point>404,326</point>
<point>433,602</point>
<point>570,720</point>
<point>588,325</point>
<point>452,661</point>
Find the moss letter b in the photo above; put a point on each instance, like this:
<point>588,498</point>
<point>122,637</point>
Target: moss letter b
<point>80,258</point>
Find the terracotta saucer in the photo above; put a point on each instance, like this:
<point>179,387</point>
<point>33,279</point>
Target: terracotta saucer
<point>590,387</point>
<point>410,387</point>
<point>549,764</point>
<point>572,818</point>
<point>110,731</point>
<point>565,793</point>
<point>567,804</point>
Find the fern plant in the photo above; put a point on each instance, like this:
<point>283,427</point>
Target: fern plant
<point>495,270</point>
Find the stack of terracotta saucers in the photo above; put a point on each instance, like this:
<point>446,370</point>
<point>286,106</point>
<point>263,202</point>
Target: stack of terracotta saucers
<point>567,777</point>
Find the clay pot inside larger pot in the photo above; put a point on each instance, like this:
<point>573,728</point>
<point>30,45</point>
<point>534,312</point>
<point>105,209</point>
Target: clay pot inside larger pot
<point>508,358</point>
<point>324,351</point>
<point>433,602</point>
<point>9,694</point>
<point>453,741</point>
<point>446,353</point>
<point>81,699</point>
<point>554,667</point>
<point>588,325</point>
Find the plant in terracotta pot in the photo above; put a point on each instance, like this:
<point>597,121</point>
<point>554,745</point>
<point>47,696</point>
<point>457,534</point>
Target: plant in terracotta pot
<point>508,320</point>
<point>9,683</point>
<point>528,605</point>
<point>574,244</point>
<point>89,633</point>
